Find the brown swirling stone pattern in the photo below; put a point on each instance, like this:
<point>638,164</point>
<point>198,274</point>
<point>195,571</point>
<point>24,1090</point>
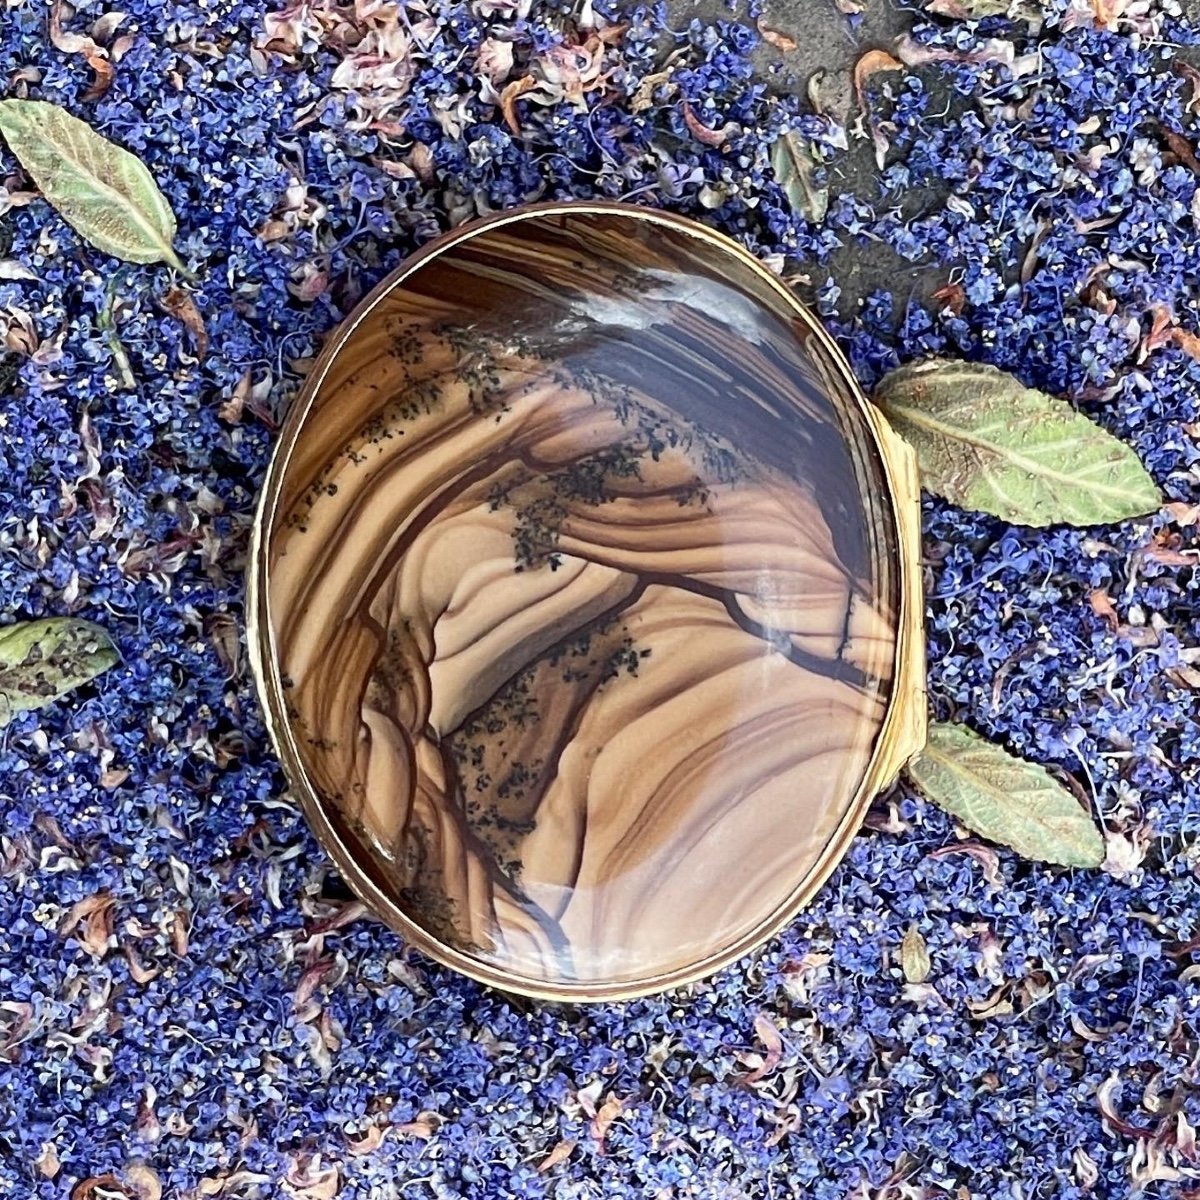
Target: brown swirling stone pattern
<point>582,584</point>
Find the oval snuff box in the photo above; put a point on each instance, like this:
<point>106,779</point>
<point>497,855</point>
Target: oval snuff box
<point>584,601</point>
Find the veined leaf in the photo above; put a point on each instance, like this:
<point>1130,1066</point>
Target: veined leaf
<point>1005,798</point>
<point>795,168</point>
<point>42,660</point>
<point>102,190</point>
<point>984,441</point>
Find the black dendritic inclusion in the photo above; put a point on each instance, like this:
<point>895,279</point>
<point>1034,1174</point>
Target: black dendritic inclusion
<point>420,391</point>
<point>542,501</point>
<point>506,753</point>
<point>392,674</point>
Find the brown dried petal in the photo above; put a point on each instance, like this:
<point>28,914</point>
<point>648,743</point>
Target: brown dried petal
<point>309,283</point>
<point>310,981</point>
<point>1185,1137</point>
<point>147,1123</point>
<point>1189,343</point>
<point>138,971</point>
<point>311,1181</point>
<point>77,43</point>
<point>700,131</point>
<point>495,60</point>
<point>996,1004</point>
<point>179,933</point>
<point>1181,148</point>
<point>1102,606</point>
<point>770,1038</point>
<point>179,304</point>
<point>561,1152</point>
<point>424,1126</point>
<point>508,101</point>
<point>91,921</point>
<point>608,1112</point>
<point>952,297</point>
<point>20,336</point>
<point>344,915</point>
<point>104,72</point>
<point>68,43</point>
<point>101,1187</point>
<point>775,38</point>
<point>122,46</point>
<point>983,854</point>
<point>914,956</point>
<point>1181,514</point>
<point>144,1181</point>
<point>11,269</point>
<point>368,1143</point>
<point>47,1161</point>
<point>231,410</point>
<point>1106,1102</point>
<point>105,26</point>
<point>870,64</point>
<point>420,158</point>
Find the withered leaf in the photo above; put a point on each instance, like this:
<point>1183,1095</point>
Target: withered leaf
<point>795,167</point>
<point>914,956</point>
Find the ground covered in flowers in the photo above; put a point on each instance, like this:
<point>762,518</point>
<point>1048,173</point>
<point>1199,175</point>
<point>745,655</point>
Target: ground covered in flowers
<point>191,1005</point>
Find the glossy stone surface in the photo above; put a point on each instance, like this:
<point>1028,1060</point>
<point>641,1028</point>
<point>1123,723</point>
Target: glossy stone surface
<point>583,587</point>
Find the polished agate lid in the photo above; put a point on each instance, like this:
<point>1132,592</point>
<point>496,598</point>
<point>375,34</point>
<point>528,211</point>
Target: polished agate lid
<point>583,601</point>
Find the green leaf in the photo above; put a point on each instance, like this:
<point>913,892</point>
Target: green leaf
<point>101,190</point>
<point>42,660</point>
<point>1004,798</point>
<point>795,167</point>
<point>984,441</point>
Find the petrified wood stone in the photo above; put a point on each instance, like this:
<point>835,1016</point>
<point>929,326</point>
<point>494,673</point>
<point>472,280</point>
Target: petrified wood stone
<point>582,574</point>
